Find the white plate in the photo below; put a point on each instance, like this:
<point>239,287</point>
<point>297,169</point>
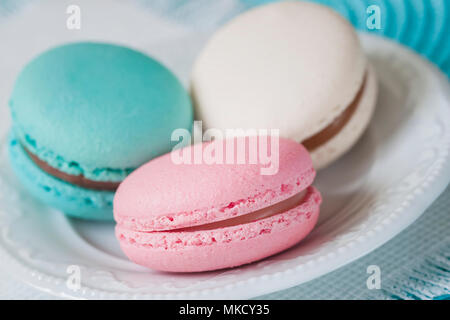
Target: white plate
<point>379,188</point>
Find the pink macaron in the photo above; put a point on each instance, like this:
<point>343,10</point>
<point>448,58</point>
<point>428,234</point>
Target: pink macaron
<point>198,214</point>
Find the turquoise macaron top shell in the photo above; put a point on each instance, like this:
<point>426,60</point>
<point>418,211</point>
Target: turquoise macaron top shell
<point>97,110</point>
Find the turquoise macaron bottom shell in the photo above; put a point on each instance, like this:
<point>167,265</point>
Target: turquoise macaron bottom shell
<point>72,200</point>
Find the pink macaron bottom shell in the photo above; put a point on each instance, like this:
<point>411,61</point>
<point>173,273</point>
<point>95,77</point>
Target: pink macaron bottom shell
<point>212,249</point>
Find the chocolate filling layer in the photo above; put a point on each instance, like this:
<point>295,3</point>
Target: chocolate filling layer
<point>336,126</point>
<point>260,214</point>
<point>79,180</point>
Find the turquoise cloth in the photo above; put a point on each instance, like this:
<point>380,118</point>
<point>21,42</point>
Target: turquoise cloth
<point>423,25</point>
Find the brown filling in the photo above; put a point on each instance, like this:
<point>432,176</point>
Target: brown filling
<point>260,214</point>
<point>332,129</point>
<point>79,180</point>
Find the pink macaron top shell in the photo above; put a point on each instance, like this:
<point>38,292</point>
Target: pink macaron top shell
<point>163,195</point>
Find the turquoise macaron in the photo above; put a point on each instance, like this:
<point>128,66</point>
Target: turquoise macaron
<point>85,115</point>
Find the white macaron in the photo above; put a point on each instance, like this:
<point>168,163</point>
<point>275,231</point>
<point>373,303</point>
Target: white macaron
<point>293,66</point>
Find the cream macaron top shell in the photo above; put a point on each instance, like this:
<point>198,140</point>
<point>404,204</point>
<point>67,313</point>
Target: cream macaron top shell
<point>293,66</point>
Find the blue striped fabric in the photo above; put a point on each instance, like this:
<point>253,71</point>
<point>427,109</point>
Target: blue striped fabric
<point>426,279</point>
<point>423,25</point>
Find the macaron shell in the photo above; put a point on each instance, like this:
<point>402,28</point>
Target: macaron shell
<point>73,201</point>
<point>97,109</point>
<point>162,195</point>
<point>352,131</point>
<point>272,68</point>
<point>221,248</point>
